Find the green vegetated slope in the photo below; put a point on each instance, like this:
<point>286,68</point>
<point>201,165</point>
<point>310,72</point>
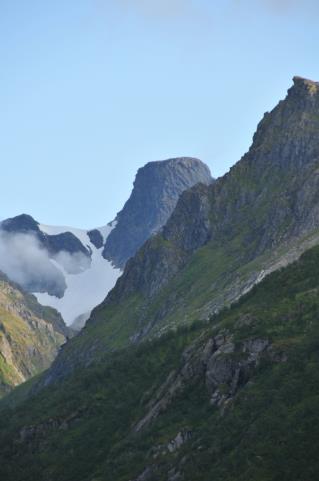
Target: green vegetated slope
<point>30,335</point>
<point>236,398</point>
<point>221,239</point>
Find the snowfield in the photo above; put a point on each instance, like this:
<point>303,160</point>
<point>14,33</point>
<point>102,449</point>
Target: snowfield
<point>87,289</point>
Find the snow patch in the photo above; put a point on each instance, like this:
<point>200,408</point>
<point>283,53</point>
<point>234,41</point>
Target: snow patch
<point>87,289</point>
<point>107,229</point>
<point>81,234</point>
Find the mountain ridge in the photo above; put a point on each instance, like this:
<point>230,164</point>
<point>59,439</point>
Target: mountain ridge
<point>260,215</point>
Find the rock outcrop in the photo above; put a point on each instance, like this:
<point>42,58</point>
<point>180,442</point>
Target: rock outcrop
<point>224,366</point>
<point>157,188</point>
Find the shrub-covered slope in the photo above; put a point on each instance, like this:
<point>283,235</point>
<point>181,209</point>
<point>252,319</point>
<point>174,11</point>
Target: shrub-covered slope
<point>236,398</point>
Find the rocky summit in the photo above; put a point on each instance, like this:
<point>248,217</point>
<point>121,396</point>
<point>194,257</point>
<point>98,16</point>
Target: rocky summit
<point>157,188</point>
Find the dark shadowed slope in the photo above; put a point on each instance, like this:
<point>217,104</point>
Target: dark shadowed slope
<point>234,400</point>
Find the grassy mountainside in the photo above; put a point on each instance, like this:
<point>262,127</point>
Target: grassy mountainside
<point>236,398</point>
<point>221,239</point>
<point>30,335</point>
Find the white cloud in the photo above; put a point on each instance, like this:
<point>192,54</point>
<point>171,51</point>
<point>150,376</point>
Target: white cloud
<point>24,261</point>
<point>27,263</point>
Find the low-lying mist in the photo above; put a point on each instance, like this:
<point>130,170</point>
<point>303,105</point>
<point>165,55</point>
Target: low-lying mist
<point>25,261</point>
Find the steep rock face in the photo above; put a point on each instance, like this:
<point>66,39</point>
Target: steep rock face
<point>221,239</point>
<point>96,238</point>
<point>30,335</point>
<point>163,255</point>
<point>157,188</point>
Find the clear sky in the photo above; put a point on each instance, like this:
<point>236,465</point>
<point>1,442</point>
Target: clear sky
<point>91,90</point>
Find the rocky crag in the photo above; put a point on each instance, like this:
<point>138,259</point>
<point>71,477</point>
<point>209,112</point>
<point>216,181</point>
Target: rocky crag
<point>157,188</point>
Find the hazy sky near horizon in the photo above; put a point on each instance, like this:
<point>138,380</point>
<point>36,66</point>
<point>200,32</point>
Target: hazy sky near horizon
<point>91,90</point>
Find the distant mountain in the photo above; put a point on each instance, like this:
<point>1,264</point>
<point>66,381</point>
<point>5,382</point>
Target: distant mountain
<point>30,335</point>
<point>72,269</point>
<point>157,188</point>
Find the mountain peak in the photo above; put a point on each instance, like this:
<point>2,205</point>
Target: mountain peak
<point>157,187</point>
<point>21,223</point>
<point>186,161</point>
<point>304,85</point>
<point>194,171</point>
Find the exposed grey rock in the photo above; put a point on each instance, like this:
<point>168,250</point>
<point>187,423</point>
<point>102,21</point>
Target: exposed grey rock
<point>225,368</point>
<point>164,255</point>
<point>157,188</point>
<point>96,238</point>
<point>22,223</point>
<point>181,438</point>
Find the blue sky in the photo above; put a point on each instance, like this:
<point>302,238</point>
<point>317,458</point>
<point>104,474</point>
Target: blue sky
<point>91,90</point>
